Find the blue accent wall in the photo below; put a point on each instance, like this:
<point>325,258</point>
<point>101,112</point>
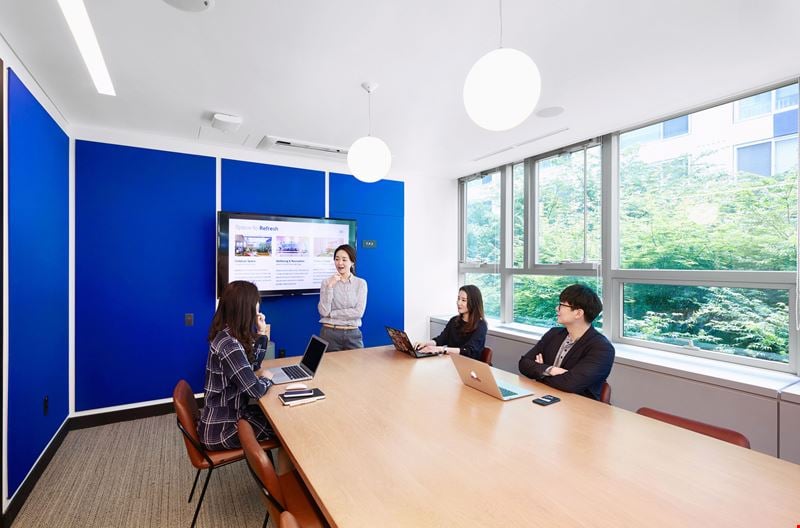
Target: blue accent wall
<point>273,189</point>
<point>145,246</point>
<point>38,275</point>
<point>378,209</point>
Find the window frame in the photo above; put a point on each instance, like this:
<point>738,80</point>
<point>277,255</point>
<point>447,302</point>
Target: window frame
<point>462,216</point>
<point>614,277</point>
<point>505,268</point>
<point>534,214</point>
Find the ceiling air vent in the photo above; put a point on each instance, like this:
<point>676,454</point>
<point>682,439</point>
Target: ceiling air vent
<point>301,148</point>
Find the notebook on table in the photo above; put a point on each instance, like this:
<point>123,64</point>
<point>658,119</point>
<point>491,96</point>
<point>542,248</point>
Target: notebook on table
<point>292,398</point>
<point>480,376</point>
<point>307,367</point>
<point>403,344</point>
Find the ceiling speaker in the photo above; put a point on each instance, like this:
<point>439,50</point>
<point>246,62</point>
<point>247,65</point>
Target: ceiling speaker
<point>226,122</point>
<point>191,5</point>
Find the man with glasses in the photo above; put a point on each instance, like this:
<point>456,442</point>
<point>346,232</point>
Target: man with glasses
<point>574,357</point>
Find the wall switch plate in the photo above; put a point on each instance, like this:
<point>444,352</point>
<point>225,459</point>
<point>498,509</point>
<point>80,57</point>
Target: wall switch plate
<point>369,244</point>
<point>188,319</point>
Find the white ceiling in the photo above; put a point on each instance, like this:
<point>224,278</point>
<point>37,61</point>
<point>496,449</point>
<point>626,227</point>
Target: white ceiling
<point>292,68</point>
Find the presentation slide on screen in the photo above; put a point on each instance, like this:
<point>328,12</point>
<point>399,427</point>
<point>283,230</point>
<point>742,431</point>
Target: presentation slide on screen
<point>278,255</point>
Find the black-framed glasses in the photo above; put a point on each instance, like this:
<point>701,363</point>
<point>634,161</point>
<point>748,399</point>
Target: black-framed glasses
<point>565,305</point>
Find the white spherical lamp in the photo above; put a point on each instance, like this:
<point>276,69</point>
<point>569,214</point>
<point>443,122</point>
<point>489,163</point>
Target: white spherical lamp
<point>502,89</point>
<point>369,159</point>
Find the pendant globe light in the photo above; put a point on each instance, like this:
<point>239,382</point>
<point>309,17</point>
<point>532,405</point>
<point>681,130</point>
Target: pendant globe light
<point>369,158</point>
<point>502,88</point>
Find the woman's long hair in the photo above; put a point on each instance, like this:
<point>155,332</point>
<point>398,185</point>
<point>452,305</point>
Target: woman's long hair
<point>237,311</point>
<point>474,307</point>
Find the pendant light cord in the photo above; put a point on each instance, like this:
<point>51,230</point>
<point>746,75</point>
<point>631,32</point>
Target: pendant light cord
<point>369,112</point>
<point>501,22</point>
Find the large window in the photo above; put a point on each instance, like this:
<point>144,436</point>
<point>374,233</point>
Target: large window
<point>483,218</point>
<point>568,207</point>
<point>748,322</point>
<point>700,228</point>
<point>489,284</point>
<point>735,208</point>
<point>536,297</point>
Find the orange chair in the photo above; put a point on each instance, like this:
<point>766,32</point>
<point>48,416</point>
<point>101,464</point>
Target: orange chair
<point>720,433</point>
<point>605,393</point>
<point>280,493</point>
<point>486,356</point>
<point>201,458</point>
<point>287,520</point>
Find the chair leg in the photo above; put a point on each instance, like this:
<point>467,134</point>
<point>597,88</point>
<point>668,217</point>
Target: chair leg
<point>202,495</point>
<point>266,518</point>
<point>191,493</point>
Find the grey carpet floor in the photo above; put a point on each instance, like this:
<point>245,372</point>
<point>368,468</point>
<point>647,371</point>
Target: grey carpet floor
<point>136,474</point>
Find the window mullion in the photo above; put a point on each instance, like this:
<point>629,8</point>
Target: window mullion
<point>585,205</point>
<point>609,247</point>
<point>506,235</point>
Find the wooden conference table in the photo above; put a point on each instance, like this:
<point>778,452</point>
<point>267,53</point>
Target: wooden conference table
<point>401,442</point>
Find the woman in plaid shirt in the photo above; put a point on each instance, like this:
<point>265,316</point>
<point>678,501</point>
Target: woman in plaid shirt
<point>238,345</point>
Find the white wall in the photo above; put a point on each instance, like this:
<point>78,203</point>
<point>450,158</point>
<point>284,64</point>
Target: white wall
<point>431,242</point>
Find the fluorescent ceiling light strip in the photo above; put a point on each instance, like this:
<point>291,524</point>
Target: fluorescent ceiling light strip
<point>83,33</point>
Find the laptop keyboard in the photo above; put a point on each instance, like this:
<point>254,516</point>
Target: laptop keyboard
<point>294,372</point>
<point>505,392</point>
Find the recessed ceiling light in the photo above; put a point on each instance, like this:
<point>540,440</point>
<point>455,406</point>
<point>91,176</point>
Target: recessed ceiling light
<point>550,111</point>
<point>83,33</point>
<point>191,5</point>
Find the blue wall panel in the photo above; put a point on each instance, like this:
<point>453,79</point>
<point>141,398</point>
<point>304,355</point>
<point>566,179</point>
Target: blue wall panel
<point>145,246</point>
<point>38,267</point>
<point>272,189</point>
<point>378,209</point>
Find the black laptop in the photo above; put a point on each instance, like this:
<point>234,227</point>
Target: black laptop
<point>403,344</point>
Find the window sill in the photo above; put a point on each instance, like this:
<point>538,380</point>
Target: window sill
<point>730,375</point>
<point>791,394</point>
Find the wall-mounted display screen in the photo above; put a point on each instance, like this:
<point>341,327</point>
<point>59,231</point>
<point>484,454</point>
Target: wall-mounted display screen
<point>282,255</point>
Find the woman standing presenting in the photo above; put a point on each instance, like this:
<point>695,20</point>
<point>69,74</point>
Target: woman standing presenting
<point>342,301</point>
<point>466,332</point>
<point>238,345</point>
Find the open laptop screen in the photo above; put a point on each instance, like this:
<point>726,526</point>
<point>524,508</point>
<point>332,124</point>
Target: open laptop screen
<point>314,351</point>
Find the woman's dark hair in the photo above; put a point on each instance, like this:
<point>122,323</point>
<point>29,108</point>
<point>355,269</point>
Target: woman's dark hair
<point>474,307</point>
<point>583,297</point>
<point>237,311</point>
<point>347,248</point>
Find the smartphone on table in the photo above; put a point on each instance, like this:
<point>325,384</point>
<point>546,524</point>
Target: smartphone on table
<point>547,399</point>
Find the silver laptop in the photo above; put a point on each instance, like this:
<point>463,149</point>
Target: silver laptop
<point>479,375</point>
<point>307,367</point>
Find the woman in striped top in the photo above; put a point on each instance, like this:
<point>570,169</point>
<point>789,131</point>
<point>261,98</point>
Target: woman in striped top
<point>342,301</point>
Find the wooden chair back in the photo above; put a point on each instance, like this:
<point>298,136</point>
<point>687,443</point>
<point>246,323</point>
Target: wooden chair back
<point>726,435</point>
